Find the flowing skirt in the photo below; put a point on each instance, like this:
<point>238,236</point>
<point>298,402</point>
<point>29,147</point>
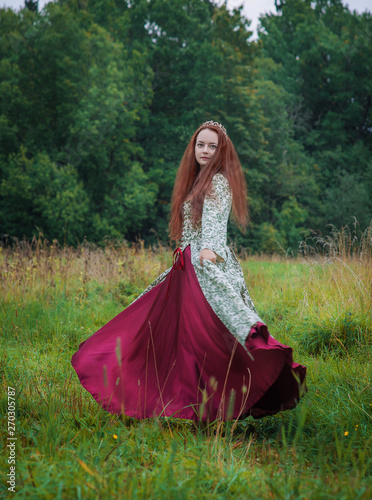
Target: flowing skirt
<point>169,354</point>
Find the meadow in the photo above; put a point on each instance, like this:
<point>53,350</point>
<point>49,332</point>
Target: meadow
<point>68,447</point>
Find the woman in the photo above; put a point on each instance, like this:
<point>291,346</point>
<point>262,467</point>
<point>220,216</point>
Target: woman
<point>192,344</point>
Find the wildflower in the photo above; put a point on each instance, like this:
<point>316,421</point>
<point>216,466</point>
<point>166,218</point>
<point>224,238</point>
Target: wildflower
<point>115,436</point>
<point>346,433</point>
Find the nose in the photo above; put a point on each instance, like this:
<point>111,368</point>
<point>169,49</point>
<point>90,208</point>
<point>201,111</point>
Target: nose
<point>205,149</point>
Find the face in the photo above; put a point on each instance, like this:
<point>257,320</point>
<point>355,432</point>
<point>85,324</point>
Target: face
<point>205,146</point>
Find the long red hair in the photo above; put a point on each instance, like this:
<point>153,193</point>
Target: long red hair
<point>195,182</point>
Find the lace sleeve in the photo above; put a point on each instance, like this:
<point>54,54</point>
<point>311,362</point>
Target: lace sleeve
<point>216,211</point>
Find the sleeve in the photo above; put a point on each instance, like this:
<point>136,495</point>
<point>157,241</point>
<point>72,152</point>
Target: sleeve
<point>216,211</point>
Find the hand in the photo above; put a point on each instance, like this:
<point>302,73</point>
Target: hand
<point>207,254</point>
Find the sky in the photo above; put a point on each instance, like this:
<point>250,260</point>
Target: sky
<point>252,8</point>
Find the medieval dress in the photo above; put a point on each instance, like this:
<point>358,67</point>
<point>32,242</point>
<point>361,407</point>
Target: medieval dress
<point>192,344</point>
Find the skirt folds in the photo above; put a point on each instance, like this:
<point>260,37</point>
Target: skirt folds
<point>169,354</point>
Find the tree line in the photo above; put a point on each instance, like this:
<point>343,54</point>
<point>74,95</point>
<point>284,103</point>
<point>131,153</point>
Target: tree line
<point>99,99</point>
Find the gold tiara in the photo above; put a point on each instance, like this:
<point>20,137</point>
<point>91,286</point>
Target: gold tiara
<point>216,124</point>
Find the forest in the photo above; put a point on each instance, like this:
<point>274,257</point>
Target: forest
<point>99,99</point>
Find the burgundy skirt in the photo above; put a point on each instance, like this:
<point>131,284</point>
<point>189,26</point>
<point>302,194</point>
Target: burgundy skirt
<point>169,354</point>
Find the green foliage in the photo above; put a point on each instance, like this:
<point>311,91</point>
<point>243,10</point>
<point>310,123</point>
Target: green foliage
<point>289,221</point>
<point>111,92</point>
<point>37,195</point>
<point>268,238</point>
<point>130,201</point>
<point>317,49</point>
<point>84,116</point>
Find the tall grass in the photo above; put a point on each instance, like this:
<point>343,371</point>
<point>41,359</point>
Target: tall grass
<point>320,303</point>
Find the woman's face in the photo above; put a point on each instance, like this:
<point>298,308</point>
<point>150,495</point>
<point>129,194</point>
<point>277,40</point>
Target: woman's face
<point>205,146</point>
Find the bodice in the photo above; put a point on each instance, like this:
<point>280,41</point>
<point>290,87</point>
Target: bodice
<point>211,231</point>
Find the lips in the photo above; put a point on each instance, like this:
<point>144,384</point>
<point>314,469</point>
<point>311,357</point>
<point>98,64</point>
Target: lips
<point>204,158</point>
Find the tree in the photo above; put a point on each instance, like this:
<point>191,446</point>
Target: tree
<point>320,49</point>
<point>74,93</point>
<point>31,5</point>
<point>36,194</point>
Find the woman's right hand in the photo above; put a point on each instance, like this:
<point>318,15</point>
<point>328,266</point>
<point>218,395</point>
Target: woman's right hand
<point>207,254</point>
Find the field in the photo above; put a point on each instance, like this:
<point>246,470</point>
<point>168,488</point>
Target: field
<point>67,447</point>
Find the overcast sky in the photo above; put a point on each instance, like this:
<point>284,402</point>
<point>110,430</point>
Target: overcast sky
<point>252,8</point>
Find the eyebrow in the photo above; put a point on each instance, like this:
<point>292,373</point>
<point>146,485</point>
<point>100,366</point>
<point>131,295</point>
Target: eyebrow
<point>207,142</point>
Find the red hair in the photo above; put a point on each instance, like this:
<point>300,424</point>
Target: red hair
<point>193,181</point>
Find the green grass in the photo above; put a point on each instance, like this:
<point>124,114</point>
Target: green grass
<point>68,447</point>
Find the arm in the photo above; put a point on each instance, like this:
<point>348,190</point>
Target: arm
<point>216,211</point>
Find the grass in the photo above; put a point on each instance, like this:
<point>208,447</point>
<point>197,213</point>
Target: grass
<point>68,447</point>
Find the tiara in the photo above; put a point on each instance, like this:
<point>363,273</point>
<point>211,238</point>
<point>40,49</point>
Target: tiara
<point>216,124</point>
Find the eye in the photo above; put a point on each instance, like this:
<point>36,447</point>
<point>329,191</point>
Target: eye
<point>214,146</point>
